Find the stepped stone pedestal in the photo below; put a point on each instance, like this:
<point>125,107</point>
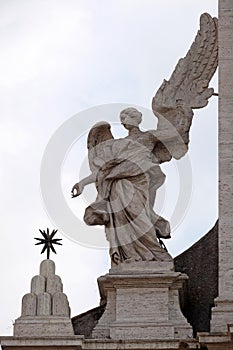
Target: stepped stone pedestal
<point>142,303</point>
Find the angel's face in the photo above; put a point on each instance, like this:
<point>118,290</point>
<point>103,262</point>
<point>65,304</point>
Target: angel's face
<point>128,122</point>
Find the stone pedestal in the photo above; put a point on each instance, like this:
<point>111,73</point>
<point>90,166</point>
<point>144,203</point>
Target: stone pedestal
<point>142,304</point>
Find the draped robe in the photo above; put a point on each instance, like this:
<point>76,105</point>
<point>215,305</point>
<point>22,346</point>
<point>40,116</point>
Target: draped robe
<point>124,170</point>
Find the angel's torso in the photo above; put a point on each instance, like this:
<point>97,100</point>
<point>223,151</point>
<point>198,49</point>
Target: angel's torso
<point>146,138</point>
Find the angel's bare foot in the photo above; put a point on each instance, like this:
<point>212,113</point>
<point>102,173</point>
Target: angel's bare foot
<point>116,258</point>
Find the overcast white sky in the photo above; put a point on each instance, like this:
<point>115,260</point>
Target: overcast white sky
<point>58,58</point>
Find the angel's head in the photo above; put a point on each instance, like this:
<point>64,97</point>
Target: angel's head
<point>130,118</point>
<point>99,132</point>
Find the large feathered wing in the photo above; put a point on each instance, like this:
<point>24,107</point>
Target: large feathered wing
<point>187,89</point>
<point>98,134</point>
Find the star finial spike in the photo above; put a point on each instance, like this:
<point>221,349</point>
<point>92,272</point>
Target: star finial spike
<point>48,241</point>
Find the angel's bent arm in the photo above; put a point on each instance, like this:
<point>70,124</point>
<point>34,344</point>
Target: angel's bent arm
<point>88,180</point>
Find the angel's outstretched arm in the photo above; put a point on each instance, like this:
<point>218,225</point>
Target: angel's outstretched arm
<point>79,186</point>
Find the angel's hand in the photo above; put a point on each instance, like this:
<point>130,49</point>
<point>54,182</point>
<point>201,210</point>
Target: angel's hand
<point>76,190</point>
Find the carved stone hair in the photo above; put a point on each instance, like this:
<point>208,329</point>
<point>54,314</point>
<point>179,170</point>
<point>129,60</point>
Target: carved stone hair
<point>133,113</point>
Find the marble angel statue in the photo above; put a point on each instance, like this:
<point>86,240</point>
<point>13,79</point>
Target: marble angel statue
<point>127,171</point>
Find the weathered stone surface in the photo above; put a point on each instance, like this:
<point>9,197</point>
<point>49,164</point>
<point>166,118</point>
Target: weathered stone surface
<point>145,329</point>
<point>44,304</point>
<point>60,305</point>
<point>222,314</point>
<point>38,284</point>
<point>54,284</point>
<point>77,342</point>
<point>144,267</point>
<point>47,268</point>
<point>43,327</point>
<point>29,305</point>
<point>142,306</point>
<point>216,341</point>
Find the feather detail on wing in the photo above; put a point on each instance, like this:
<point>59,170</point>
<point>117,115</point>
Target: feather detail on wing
<point>187,89</point>
<point>99,133</point>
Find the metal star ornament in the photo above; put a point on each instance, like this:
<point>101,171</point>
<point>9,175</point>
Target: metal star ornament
<point>48,241</point>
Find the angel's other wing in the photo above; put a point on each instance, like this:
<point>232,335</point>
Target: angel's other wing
<point>98,134</point>
<point>188,87</point>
